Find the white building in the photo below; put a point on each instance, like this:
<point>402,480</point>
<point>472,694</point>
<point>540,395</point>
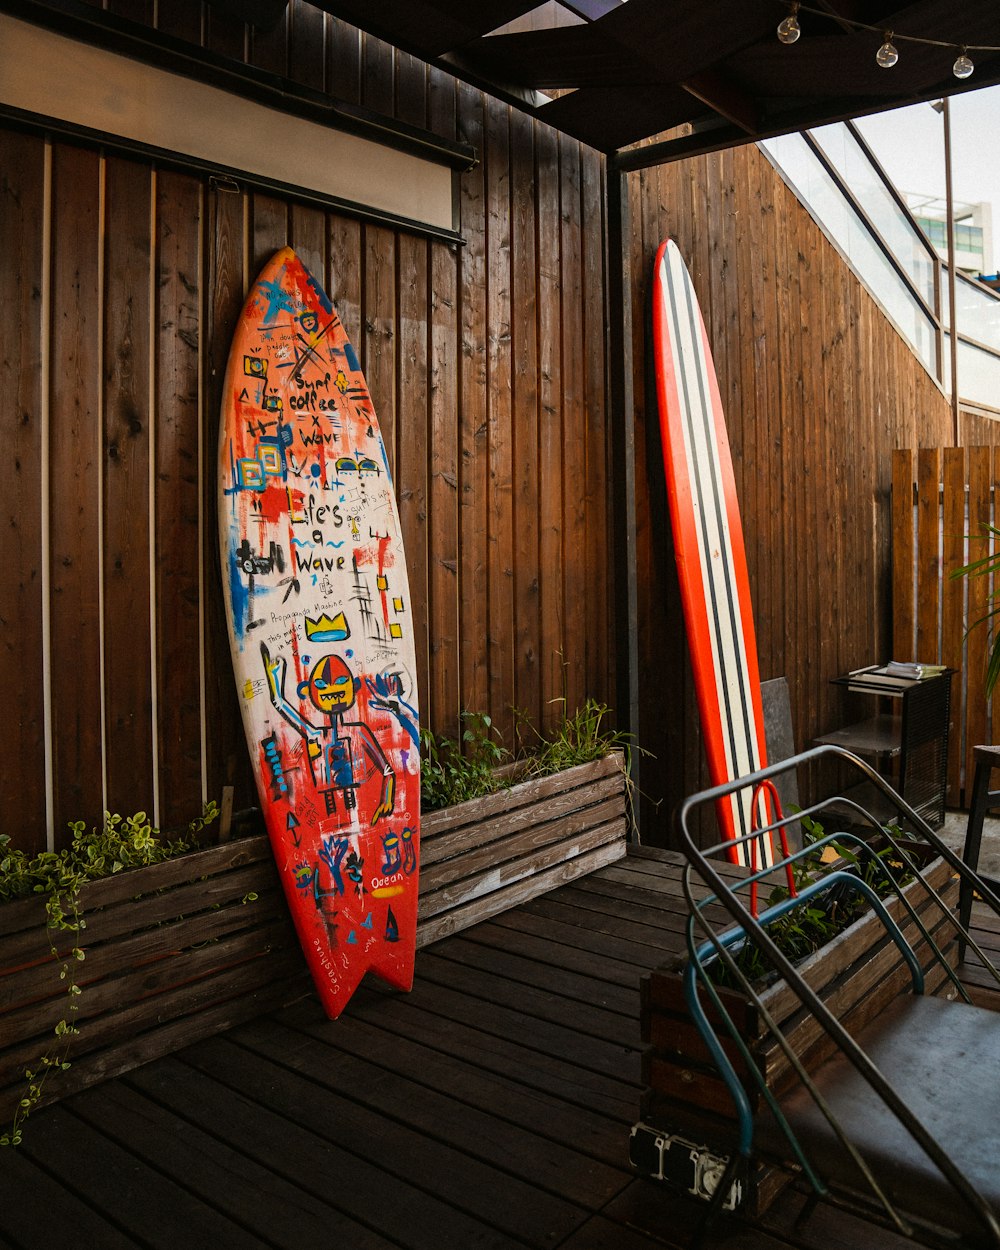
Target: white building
<point>973,231</point>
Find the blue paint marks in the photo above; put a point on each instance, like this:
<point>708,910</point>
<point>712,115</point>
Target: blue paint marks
<point>388,471</point>
<point>239,592</point>
<point>367,922</point>
<point>352,938</point>
<point>278,300</point>
<point>321,295</point>
<point>352,356</point>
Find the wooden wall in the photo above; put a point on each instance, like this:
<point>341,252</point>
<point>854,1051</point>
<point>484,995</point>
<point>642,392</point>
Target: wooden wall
<point>119,292</point>
<point>818,389</point>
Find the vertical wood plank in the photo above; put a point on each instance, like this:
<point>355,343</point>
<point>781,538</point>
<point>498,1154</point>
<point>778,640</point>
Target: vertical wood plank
<point>269,48</point>
<point>442,575</point>
<point>953,603</point>
<point>929,563</point>
<point>22,470</point>
<point>472,414</point>
<point>414,443</point>
<point>575,582</point>
<point>343,60</point>
<point>993,711</point>
<point>597,650</point>
<point>443,445</point>
<point>499,390</point>
<point>126,475</point>
<point>226,285</point>
<point>904,632</point>
<point>411,89</point>
<point>377,75</point>
<point>979,544</point>
<point>307,233</point>
<point>345,275</point>
<point>76,475</point>
<point>660,733</point>
<point>547,463</point>
<point>179,519</point>
<point>307,44</point>
<point>269,229</point>
<point>379,346</point>
<point>524,285</point>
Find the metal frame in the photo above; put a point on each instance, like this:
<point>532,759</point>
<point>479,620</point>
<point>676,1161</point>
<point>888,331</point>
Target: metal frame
<point>716,946</point>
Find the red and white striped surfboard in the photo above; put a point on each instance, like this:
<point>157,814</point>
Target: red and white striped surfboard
<point>708,540</point>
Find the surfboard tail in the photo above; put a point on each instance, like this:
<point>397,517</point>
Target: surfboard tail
<point>335,994</point>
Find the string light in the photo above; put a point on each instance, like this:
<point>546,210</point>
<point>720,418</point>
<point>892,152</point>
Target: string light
<point>887,56</point>
<point>789,31</point>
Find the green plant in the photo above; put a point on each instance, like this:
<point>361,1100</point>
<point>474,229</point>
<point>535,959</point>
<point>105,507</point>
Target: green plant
<point>120,843</point>
<point>808,928</point>
<point>577,739</point>
<point>456,771</point>
<point>987,566</point>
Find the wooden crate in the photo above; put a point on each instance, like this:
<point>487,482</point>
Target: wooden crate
<point>856,975</point>
<point>481,857</point>
<point>178,951</point>
<point>174,952</point>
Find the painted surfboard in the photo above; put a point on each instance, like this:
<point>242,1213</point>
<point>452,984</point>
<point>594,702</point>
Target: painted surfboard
<point>316,592</point>
<point>708,540</point>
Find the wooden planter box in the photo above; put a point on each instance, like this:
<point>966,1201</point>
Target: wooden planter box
<point>173,954</point>
<point>178,951</point>
<point>856,975</point>
<point>489,854</point>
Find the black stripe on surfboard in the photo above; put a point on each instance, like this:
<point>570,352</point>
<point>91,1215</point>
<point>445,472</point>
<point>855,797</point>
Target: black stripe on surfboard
<point>730,651</point>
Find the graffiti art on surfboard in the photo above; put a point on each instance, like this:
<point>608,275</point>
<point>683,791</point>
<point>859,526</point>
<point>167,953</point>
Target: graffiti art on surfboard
<point>322,638</point>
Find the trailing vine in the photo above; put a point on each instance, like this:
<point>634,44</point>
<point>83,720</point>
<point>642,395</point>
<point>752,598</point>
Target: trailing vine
<point>121,843</point>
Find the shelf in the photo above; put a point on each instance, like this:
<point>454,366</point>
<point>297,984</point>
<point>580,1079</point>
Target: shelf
<point>878,735</point>
<point>916,736</point>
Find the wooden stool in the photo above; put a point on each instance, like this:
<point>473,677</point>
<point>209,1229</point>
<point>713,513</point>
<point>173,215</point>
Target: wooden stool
<point>983,800</point>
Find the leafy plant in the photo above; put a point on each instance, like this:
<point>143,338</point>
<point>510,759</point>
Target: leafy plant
<point>119,844</point>
<point>987,566</point>
<point>808,928</point>
<point>456,771</point>
<point>578,739</point>
<point>478,763</point>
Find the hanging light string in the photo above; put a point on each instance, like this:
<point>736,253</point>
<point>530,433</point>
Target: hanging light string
<point>789,31</point>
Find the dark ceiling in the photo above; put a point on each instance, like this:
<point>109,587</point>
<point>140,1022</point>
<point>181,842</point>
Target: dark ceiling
<point>625,72</point>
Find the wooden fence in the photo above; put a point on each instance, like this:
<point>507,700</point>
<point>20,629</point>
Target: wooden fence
<point>943,501</point>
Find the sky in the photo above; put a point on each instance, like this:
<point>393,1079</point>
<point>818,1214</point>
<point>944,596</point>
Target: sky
<point>909,143</point>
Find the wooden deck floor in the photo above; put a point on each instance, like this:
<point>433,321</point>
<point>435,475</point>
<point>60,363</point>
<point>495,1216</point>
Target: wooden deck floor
<point>489,1108</point>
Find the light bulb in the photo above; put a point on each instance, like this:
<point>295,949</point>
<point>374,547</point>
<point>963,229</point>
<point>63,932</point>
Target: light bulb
<point>963,67</point>
<point>887,56</point>
<point>789,29</point>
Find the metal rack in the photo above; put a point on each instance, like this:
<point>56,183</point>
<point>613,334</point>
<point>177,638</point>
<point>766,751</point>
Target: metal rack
<point>911,740</point>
